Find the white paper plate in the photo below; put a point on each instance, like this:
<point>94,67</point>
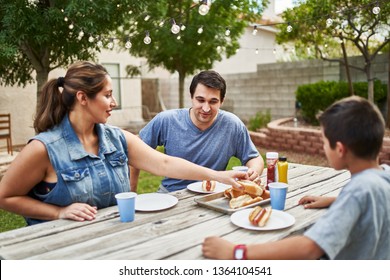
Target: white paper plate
<point>154,201</point>
<point>197,187</point>
<point>278,220</point>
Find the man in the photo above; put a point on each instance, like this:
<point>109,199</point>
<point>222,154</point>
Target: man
<point>202,134</point>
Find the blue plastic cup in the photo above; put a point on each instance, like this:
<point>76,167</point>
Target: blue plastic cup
<point>126,205</point>
<point>278,192</point>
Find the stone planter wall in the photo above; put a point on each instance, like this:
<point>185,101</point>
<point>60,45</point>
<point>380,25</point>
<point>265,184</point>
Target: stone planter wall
<point>297,139</point>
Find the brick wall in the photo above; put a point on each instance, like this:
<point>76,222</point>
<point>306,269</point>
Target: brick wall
<point>305,140</point>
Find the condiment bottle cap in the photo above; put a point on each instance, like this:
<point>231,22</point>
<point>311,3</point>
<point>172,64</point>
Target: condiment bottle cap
<point>272,155</point>
<point>283,158</point>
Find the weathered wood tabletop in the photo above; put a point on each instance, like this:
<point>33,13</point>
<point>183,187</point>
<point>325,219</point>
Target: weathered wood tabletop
<point>175,233</point>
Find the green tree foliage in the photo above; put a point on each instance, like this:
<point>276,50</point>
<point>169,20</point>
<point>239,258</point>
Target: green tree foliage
<point>42,35</point>
<point>189,50</point>
<point>353,24</point>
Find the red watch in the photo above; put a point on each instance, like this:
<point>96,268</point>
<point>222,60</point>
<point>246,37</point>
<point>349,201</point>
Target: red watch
<point>240,252</point>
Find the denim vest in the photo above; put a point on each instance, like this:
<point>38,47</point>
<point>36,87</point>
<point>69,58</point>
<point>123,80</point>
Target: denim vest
<point>84,177</point>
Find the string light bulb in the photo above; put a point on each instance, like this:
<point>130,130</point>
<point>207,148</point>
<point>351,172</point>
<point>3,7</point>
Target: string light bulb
<point>204,8</point>
<point>128,44</point>
<point>99,43</point>
<point>146,18</point>
<point>175,28</point>
<point>376,10</point>
<point>329,22</point>
<point>110,44</point>
<point>81,34</point>
<point>289,28</point>
<point>227,32</point>
<point>199,43</point>
<point>200,30</point>
<point>182,27</point>
<point>91,39</point>
<point>147,39</point>
<point>254,32</point>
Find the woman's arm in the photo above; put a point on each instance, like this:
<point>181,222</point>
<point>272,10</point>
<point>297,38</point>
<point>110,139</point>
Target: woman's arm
<point>30,167</point>
<point>141,156</point>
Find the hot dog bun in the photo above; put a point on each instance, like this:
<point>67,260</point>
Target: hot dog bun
<point>243,200</point>
<point>266,194</point>
<point>259,216</point>
<point>251,188</point>
<point>208,186</point>
<point>233,193</point>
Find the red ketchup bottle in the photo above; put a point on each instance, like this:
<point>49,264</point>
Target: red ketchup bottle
<point>272,160</point>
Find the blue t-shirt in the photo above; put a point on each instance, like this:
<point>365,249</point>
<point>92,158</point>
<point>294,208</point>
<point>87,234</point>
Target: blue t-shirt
<point>211,148</point>
<point>357,224</point>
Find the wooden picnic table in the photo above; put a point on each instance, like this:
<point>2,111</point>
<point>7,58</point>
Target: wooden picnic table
<point>174,233</point>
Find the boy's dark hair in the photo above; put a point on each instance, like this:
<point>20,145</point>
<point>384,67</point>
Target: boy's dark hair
<point>210,79</point>
<point>355,122</point>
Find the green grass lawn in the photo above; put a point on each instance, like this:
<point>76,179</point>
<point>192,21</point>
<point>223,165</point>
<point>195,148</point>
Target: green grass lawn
<point>147,183</point>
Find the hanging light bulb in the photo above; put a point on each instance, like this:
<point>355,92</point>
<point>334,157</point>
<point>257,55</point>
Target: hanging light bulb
<point>110,44</point>
<point>147,39</point>
<point>254,32</point>
<point>81,34</point>
<point>71,26</point>
<point>161,23</point>
<point>257,51</point>
<point>227,32</point>
<point>99,43</point>
<point>274,51</point>
<point>204,8</point>
<point>199,43</point>
<point>91,39</point>
<point>289,28</point>
<point>128,44</point>
<point>65,18</point>
<point>329,22</point>
<point>376,10</point>
<point>175,28</point>
<point>182,27</point>
<point>146,18</point>
<point>200,30</point>
<point>178,37</point>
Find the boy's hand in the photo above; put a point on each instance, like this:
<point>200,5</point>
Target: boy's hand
<point>217,248</point>
<point>316,201</point>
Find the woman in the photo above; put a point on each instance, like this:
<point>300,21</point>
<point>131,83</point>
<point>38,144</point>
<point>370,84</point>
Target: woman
<point>76,163</point>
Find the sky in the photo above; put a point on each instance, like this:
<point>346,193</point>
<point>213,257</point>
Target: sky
<point>281,5</point>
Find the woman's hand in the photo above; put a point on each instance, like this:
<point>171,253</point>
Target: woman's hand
<point>316,201</point>
<point>230,177</point>
<point>78,212</point>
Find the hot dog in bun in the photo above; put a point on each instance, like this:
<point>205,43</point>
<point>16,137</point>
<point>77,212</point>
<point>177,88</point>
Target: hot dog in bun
<point>208,186</point>
<point>259,216</point>
<point>251,188</point>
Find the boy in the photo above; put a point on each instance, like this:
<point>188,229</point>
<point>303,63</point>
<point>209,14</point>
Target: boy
<point>357,224</point>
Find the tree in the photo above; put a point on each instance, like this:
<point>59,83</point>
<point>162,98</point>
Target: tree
<point>42,35</point>
<point>328,25</point>
<point>190,49</point>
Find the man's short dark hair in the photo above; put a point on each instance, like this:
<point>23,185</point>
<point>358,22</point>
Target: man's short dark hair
<point>210,79</point>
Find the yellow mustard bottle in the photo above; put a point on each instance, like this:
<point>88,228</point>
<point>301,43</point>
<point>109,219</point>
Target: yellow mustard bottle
<point>282,169</point>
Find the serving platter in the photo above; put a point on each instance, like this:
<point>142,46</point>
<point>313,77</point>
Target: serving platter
<point>220,203</point>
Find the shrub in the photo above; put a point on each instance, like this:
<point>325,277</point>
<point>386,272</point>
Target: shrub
<point>259,121</point>
<point>317,97</point>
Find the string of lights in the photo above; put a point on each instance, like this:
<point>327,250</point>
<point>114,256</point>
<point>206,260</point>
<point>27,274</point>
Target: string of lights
<point>204,7</point>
